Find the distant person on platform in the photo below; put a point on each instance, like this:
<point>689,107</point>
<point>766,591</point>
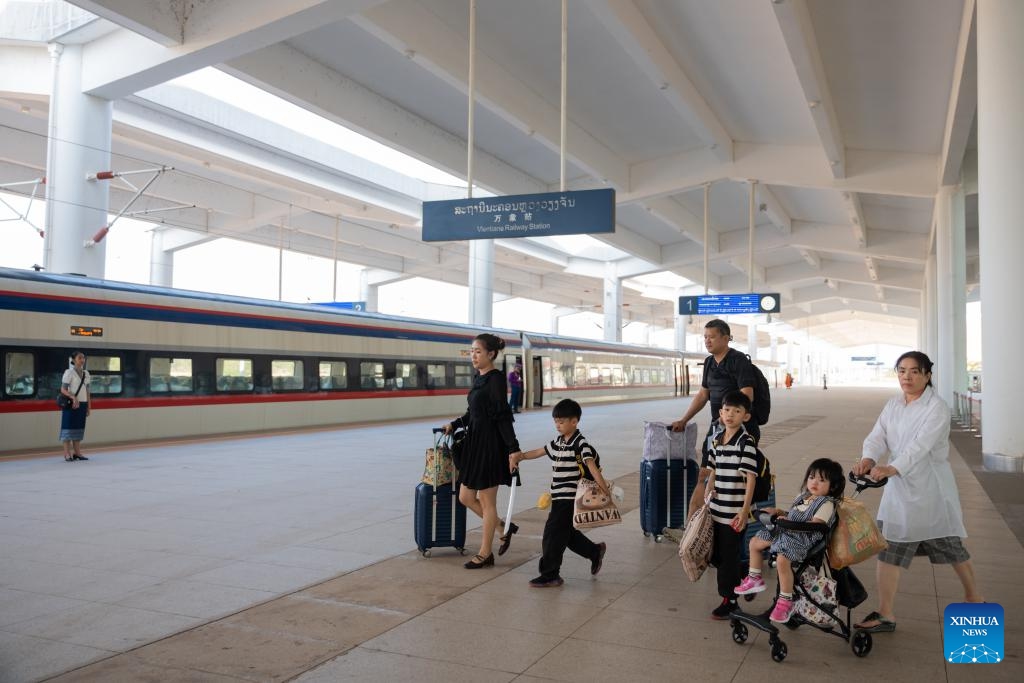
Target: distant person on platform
<point>824,381</point>
<point>515,381</point>
<point>789,380</point>
<point>725,370</point>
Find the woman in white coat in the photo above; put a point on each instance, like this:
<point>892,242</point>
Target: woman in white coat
<point>919,513</point>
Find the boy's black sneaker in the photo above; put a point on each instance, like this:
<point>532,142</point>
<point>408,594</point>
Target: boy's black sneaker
<point>545,582</point>
<point>595,564</point>
<point>723,611</point>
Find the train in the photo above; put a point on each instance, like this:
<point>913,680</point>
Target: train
<point>169,363</point>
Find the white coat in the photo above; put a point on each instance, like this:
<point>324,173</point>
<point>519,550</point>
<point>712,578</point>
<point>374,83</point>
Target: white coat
<point>922,502</point>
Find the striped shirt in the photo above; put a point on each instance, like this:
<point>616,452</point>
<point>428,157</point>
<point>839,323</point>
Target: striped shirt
<point>730,461</point>
<point>565,455</point>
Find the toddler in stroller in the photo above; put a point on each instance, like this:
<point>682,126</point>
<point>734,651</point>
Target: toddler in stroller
<point>799,540</point>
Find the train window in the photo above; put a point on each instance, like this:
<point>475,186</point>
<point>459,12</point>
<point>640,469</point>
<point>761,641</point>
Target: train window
<point>19,374</point>
<point>645,375</point>
<point>170,375</point>
<point>593,375</point>
<point>105,372</point>
<point>581,375</point>
<point>436,375</point>
<point>405,376</point>
<point>606,375</point>
<point>333,374</point>
<point>463,375</point>
<point>637,376</point>
<point>234,374</point>
<point>617,376</point>
<point>287,374</point>
<point>565,378</point>
<point>371,375</point>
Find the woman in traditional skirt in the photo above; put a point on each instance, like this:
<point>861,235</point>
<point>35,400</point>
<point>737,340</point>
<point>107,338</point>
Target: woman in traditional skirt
<point>75,385</point>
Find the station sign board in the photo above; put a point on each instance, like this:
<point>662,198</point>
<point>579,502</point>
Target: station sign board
<point>579,212</point>
<point>729,304</point>
<point>862,358</point>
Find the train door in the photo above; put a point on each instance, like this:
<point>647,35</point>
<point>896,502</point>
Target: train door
<point>537,381</point>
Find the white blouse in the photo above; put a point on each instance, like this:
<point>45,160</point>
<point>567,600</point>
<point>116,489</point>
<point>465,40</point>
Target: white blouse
<point>73,381</point>
<point>922,502</point>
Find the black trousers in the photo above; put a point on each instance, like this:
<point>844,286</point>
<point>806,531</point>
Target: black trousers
<point>560,534</point>
<point>725,557</point>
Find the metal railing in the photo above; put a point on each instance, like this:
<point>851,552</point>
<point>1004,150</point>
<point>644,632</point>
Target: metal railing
<point>967,412</point>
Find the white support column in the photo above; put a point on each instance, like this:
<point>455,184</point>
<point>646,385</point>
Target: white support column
<point>752,341</point>
<point>368,291</point>
<point>943,358</point>
<point>161,261</point>
<point>774,345</point>
<point>1000,217</point>
<point>958,224</point>
<point>481,282</point>
<point>612,304</point>
<point>681,332</point>
<point>557,313</point>
<point>79,144</point>
<point>931,324</point>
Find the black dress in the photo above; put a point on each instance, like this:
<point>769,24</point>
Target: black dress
<point>491,437</point>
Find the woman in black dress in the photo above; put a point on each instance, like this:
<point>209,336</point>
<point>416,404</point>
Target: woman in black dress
<point>491,439</point>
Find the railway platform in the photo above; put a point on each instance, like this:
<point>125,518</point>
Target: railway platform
<point>285,557</point>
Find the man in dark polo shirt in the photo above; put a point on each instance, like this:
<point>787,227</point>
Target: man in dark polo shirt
<point>725,370</point>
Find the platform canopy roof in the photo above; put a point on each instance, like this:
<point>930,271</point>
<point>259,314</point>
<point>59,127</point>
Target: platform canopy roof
<point>848,115</point>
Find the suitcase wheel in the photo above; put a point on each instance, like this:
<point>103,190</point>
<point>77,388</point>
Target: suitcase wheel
<point>462,551</point>
<point>646,534</point>
<point>658,538</point>
<point>426,553</point>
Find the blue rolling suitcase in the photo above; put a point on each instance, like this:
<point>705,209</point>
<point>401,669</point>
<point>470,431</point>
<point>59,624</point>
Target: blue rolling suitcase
<point>668,475</point>
<point>439,518</point>
<point>665,490</point>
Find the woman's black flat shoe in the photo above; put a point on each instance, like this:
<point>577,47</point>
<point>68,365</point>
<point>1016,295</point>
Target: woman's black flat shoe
<point>506,540</point>
<point>69,458</point>
<point>477,562</point>
<point>79,457</point>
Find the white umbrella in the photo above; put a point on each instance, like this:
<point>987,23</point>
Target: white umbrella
<point>511,502</point>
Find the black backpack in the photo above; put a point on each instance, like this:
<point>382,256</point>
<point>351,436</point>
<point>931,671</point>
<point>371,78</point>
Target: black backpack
<point>765,480</point>
<point>762,396</point>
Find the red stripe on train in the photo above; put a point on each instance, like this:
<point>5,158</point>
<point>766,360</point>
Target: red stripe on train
<point>41,405</point>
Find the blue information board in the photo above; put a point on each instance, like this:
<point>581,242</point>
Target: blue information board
<point>726,304</point>
<point>578,212</point>
<point>345,305</point>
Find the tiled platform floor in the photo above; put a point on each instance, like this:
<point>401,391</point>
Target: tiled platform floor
<point>291,558</point>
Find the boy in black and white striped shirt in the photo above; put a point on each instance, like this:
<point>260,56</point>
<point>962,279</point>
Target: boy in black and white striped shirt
<point>733,462</point>
<point>571,457</point>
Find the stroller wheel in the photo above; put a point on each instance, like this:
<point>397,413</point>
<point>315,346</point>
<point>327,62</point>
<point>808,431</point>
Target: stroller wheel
<point>739,633</point>
<point>861,643</point>
<point>779,651</point>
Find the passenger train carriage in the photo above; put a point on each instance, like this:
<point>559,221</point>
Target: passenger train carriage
<point>172,363</point>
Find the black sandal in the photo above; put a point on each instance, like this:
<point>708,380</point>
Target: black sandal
<point>883,626</point>
<point>506,540</point>
<point>477,562</point>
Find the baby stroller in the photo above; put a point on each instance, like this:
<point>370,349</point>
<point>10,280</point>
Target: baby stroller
<point>849,592</point>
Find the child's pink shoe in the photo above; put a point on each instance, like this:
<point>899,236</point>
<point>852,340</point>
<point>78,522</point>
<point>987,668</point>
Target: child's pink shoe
<point>750,584</point>
<point>783,610</point>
